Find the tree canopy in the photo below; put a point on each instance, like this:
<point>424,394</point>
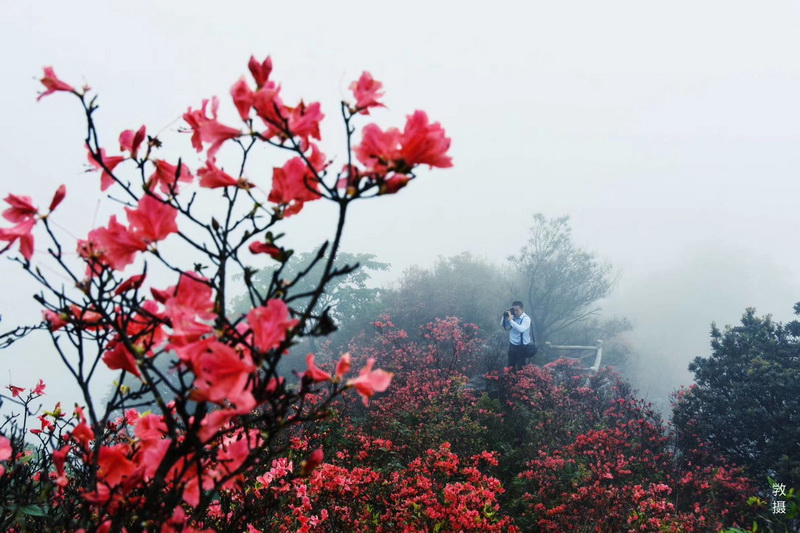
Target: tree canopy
<point>560,281</point>
<point>746,403</point>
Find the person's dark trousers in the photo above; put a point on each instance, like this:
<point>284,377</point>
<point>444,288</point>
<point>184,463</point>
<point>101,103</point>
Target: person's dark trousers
<point>516,356</point>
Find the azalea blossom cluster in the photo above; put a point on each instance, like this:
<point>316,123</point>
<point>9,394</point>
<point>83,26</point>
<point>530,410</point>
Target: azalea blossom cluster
<point>199,386</point>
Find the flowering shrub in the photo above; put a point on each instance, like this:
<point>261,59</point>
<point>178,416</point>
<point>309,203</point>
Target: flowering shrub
<point>208,407</point>
<point>572,452</point>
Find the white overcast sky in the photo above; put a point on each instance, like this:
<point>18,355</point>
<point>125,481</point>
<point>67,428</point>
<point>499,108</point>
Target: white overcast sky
<point>668,131</point>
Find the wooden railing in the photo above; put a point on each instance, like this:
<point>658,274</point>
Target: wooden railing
<point>597,349</point>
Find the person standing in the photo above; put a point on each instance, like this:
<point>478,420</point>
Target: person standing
<point>518,325</point>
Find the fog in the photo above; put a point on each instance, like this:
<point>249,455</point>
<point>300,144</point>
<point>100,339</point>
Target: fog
<point>667,132</point>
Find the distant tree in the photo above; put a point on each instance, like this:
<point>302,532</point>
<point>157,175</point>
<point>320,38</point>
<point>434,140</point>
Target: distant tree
<point>464,286</point>
<point>746,403</point>
<point>346,296</point>
<point>559,282</point>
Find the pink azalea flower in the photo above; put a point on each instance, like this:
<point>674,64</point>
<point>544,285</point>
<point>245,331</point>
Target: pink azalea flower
<point>21,232</point>
<point>314,373</point>
<point>207,129</point>
<point>39,388</point>
<point>222,375</point>
<point>242,96</point>
<point>115,466</point>
<point>15,391</point>
<point>214,421</point>
<point>260,71</point>
<point>269,107</point>
<point>304,120</point>
<point>152,220</point>
<point>61,192</point>
<point>189,305</point>
<point>82,434</point>
<point>424,143</point>
<point>293,184</point>
<point>370,381</point>
<point>116,245</point>
<point>5,449</point>
<point>59,460</point>
<point>343,366</point>
<point>21,209</point>
<point>150,427</point>
<point>166,176</point>
<point>108,165</point>
<point>393,184</point>
<point>118,357</point>
<point>270,324</point>
<point>53,84</point>
<point>133,282</point>
<point>265,248</point>
<point>367,91</point>
<point>317,159</point>
<point>213,178</point>
<point>378,148</point>
<point>130,140</point>
<point>55,320</point>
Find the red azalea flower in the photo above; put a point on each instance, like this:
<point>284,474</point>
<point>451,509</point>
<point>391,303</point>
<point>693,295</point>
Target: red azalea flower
<point>270,324</point>
<point>118,357</point>
<point>393,184</point>
<point>108,165</point>
<point>424,143</point>
<point>343,366</point>
<point>370,381</point>
<point>21,232</point>
<point>5,449</point>
<point>116,245</point>
<point>242,96</point>
<point>213,178</point>
<point>293,184</point>
<point>207,129</point>
<point>21,209</point>
<point>55,320</point>
<point>15,391</point>
<point>39,388</point>
<point>269,107</point>
<point>314,373</point>
<point>166,176</point>
<point>367,91</point>
<point>265,248</point>
<point>222,375</point>
<point>61,192</point>
<point>378,148</point>
<point>260,71</point>
<point>152,220</point>
<point>133,282</point>
<point>53,84</point>
<point>115,466</point>
<point>304,120</point>
<point>130,140</point>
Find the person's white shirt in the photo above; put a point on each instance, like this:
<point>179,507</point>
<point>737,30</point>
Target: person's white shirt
<point>518,329</point>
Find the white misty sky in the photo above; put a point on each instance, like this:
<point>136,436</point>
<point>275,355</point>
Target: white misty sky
<point>667,131</point>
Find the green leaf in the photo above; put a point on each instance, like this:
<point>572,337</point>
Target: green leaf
<point>33,510</point>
